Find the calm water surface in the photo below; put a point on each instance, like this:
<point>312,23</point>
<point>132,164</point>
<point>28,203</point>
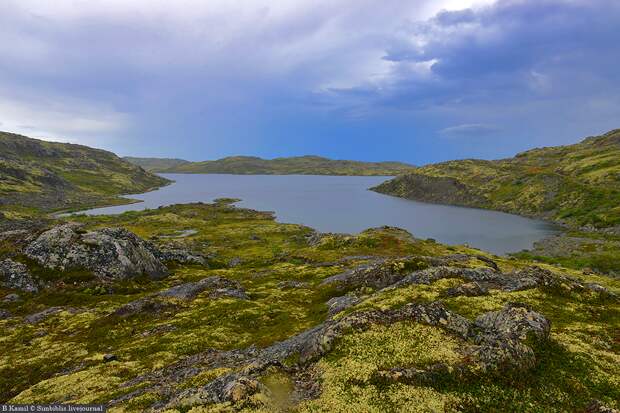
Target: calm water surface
<point>344,204</point>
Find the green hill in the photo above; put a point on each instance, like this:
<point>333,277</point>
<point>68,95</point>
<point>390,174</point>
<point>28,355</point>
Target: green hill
<point>155,164</point>
<point>50,175</point>
<point>578,184</point>
<point>251,165</point>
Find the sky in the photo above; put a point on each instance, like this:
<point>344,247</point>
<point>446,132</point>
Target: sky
<point>418,81</point>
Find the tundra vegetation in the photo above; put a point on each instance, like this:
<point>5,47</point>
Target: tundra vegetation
<point>264,341</point>
<point>213,308</point>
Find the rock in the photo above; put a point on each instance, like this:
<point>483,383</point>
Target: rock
<point>229,292</point>
<point>488,261</point>
<point>471,289</point>
<point>156,303</point>
<point>231,388</point>
<point>190,290</point>
<point>42,315</point>
<point>11,298</point>
<point>4,314</point>
<point>15,275</point>
<point>255,237</point>
<point>501,340</point>
<point>515,320</point>
<point>109,357</point>
<point>234,262</point>
<point>288,284</point>
<point>338,304</point>
<point>143,305</point>
<point>595,406</point>
<point>109,253</point>
<point>180,255</point>
<point>377,274</point>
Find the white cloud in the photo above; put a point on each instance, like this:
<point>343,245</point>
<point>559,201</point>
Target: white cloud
<point>60,119</point>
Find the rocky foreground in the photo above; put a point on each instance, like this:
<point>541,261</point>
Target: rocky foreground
<point>210,308</point>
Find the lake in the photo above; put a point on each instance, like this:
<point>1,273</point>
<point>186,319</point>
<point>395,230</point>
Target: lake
<point>344,204</point>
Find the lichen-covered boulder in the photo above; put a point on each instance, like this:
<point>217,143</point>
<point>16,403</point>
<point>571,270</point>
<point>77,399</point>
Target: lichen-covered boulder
<point>15,275</point>
<point>109,253</point>
<point>517,321</point>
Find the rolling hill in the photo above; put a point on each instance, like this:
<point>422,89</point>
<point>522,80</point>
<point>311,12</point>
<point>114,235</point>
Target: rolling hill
<point>251,165</point>
<point>577,185</point>
<point>50,175</point>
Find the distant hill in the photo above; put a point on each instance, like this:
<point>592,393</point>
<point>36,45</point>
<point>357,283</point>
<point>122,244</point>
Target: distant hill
<point>156,164</point>
<point>575,184</point>
<point>50,175</point>
<point>250,165</point>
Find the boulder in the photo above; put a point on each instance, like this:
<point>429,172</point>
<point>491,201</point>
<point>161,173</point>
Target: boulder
<point>515,320</point>
<point>15,275</point>
<point>109,253</point>
<point>4,314</point>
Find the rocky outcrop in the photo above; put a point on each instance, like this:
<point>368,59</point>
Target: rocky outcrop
<point>42,315</point>
<point>433,189</point>
<point>218,285</point>
<point>494,342</point>
<point>109,253</point>
<point>15,275</point>
<point>157,303</point>
<point>486,279</point>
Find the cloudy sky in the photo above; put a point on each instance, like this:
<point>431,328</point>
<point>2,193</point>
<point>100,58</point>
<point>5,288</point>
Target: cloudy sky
<point>417,81</point>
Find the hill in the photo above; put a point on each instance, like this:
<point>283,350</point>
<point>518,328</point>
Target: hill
<point>251,165</point>
<point>577,185</point>
<point>51,175</point>
<point>155,164</point>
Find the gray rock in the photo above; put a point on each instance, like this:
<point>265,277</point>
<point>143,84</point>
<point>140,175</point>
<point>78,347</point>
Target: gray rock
<point>157,303</point>
<point>190,290</point>
<point>149,305</point>
<point>42,315</point>
<point>338,304</point>
<point>180,255</point>
<point>234,262</point>
<point>289,284</point>
<point>517,321</point>
<point>109,253</point>
<point>596,406</point>
<point>15,275</point>
<point>377,274</point>
<point>4,314</point>
<point>11,298</point>
<point>470,289</point>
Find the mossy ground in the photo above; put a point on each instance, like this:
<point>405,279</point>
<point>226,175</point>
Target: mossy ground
<point>60,358</point>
